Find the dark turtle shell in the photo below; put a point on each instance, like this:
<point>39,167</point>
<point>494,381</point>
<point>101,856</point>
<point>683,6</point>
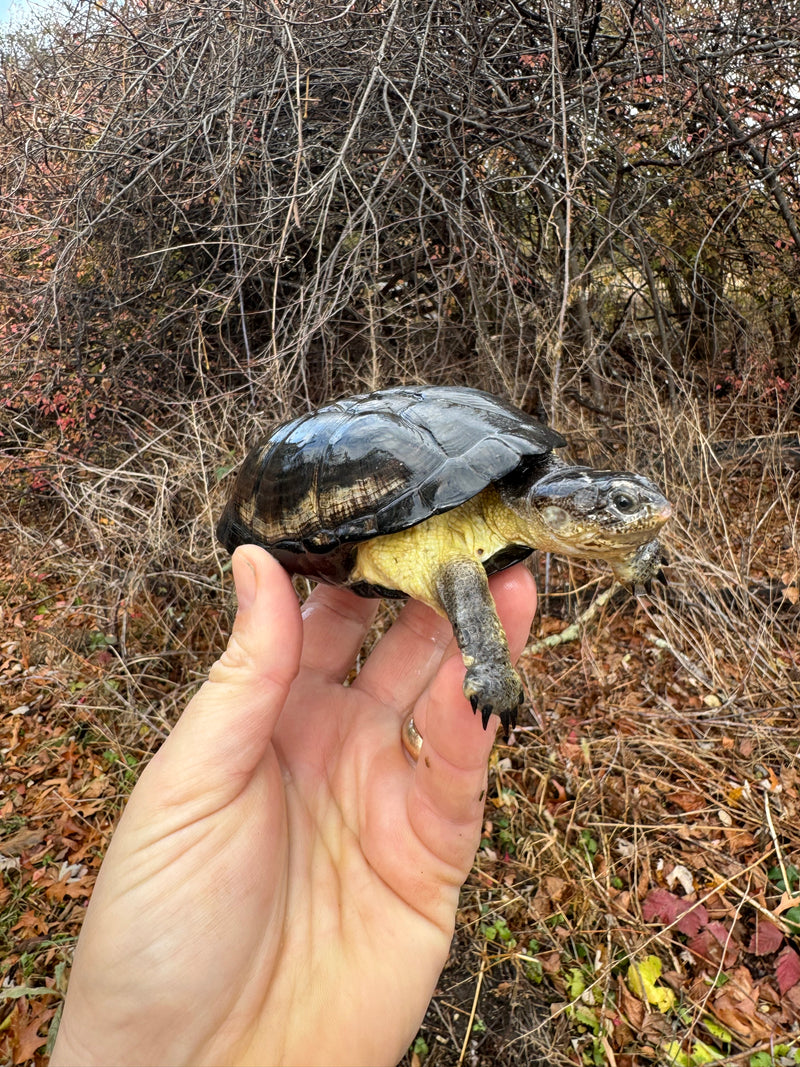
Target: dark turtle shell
<point>374,464</point>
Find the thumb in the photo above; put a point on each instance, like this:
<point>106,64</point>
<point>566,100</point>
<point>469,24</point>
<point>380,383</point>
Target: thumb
<point>227,726</point>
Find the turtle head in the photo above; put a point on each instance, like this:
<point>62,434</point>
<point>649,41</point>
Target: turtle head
<point>611,515</point>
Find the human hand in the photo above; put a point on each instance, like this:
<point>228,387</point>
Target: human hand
<point>283,883</point>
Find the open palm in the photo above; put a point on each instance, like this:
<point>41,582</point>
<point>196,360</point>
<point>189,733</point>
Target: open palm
<point>283,883</point>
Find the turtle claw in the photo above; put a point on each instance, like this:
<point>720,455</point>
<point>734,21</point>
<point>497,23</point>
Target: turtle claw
<point>508,720</point>
<point>494,690</point>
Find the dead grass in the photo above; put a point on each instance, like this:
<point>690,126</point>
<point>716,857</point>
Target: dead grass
<point>662,755</point>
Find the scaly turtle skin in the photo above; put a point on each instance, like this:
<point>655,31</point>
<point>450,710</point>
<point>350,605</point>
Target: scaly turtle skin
<point>423,492</point>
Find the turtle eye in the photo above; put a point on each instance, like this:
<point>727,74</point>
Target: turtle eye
<point>623,501</point>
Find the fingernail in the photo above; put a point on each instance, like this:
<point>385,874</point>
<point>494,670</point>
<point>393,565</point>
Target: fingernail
<point>244,577</point>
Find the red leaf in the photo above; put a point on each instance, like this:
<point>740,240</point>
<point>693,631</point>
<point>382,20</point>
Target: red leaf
<point>766,939</point>
<point>715,945</point>
<point>694,918</point>
<point>688,918</point>
<point>661,905</point>
<point>787,969</point>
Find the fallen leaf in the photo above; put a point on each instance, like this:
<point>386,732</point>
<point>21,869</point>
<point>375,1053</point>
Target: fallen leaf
<point>687,801</point>
<point>714,944</point>
<point>554,887</point>
<point>738,840</point>
<point>29,924</point>
<point>57,891</point>
<point>792,997</point>
<point>736,1007</point>
<point>30,1021</point>
<point>550,961</point>
<point>787,969</point>
<point>681,874</point>
<point>630,1006</point>
<point>22,841</point>
<point>767,938</point>
<point>687,917</point>
<point>787,901</point>
<point>642,978</point>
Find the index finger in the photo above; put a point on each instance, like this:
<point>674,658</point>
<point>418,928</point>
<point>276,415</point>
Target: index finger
<point>335,624</point>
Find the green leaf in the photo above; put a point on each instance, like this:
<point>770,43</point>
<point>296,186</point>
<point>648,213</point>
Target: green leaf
<point>587,1017</point>
<point>576,983</point>
<point>675,1057</point>
<point>220,472</point>
<point>642,978</point>
<point>17,991</point>
<point>717,1031</point>
<point>589,842</point>
<point>792,873</point>
<point>703,1053</point>
<point>420,1047</point>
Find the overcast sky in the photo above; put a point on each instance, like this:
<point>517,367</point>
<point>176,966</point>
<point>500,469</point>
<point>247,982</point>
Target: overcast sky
<point>5,6</point>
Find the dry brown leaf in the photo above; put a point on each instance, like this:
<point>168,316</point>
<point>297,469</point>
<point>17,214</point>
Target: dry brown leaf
<point>31,1019</point>
<point>22,841</point>
<point>736,1006</point>
<point>792,999</point>
<point>29,924</point>
<point>550,961</point>
<point>554,887</point>
<point>96,787</point>
<point>74,889</point>
<point>687,800</point>
<point>549,894</point>
<point>630,1007</point>
<point>738,840</point>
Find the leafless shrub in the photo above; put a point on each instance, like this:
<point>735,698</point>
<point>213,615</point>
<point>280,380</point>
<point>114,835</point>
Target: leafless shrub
<point>312,196</point>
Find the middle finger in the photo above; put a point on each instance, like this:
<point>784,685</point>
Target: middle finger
<point>407,657</point>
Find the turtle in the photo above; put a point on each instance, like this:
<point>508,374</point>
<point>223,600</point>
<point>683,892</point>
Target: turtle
<point>425,491</point>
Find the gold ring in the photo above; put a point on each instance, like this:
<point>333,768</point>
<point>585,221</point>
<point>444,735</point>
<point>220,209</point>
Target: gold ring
<point>412,738</point>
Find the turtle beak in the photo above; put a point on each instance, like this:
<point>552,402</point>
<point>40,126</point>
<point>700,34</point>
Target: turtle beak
<point>664,512</point>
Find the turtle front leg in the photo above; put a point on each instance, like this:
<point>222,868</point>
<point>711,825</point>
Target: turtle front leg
<point>491,683</point>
